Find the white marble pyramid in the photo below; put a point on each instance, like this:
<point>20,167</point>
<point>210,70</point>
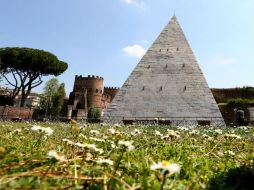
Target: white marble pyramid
<point>167,84</point>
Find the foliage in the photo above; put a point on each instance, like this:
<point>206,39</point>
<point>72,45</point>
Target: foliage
<point>238,102</point>
<point>51,87</point>
<point>52,101</point>
<point>64,156</point>
<point>94,113</point>
<point>58,100</point>
<point>27,66</point>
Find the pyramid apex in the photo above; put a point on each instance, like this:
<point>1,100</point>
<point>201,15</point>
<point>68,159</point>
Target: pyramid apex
<point>174,18</point>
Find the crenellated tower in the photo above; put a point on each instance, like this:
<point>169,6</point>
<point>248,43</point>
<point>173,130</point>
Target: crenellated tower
<point>111,92</point>
<point>93,86</point>
<point>88,92</point>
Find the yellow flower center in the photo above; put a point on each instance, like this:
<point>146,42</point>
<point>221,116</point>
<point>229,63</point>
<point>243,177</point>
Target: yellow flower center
<point>165,163</point>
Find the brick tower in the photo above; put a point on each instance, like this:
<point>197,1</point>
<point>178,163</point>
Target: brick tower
<point>87,92</point>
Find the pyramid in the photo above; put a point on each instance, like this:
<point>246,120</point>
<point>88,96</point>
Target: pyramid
<point>167,84</point>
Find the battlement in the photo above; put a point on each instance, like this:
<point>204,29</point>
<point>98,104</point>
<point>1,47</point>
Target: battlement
<point>111,91</point>
<point>80,77</point>
<point>111,88</point>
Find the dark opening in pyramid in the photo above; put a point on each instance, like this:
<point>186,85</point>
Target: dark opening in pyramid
<point>167,84</point>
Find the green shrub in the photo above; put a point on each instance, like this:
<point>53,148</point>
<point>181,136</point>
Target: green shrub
<point>94,113</point>
<point>238,102</point>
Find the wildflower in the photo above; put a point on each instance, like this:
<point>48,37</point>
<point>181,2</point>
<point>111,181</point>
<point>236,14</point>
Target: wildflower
<point>221,154</point>
<point>17,130</point>
<point>96,139</point>
<point>105,161</point>
<point>73,122</point>
<point>113,145</point>
<point>36,128</point>
<point>55,155</point>
<point>118,136</point>
<point>207,137</point>
<point>95,132</point>
<point>229,152</point>
<point>89,146</point>
<point>112,131</point>
<point>82,136</point>
<point>243,127</point>
<point>232,136</point>
<point>117,125</point>
<point>89,156</point>
<point>194,132</point>
<point>218,131</point>
<point>173,134</point>
<point>2,151</point>
<point>47,130</point>
<point>167,167</point>
<point>158,133</point>
<point>135,132</point>
<point>93,147</point>
<point>69,142</point>
<point>76,129</point>
<point>80,145</point>
<point>105,137</point>
<point>183,128</point>
<point>127,144</point>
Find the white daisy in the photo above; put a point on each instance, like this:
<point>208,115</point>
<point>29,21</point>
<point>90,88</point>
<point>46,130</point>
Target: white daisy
<point>54,154</point>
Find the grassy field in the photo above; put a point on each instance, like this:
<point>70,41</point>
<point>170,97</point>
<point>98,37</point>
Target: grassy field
<point>74,156</point>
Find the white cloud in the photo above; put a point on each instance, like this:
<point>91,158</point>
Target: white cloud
<point>138,3</point>
<point>134,51</point>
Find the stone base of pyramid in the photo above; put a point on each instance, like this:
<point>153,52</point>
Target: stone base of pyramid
<point>174,121</point>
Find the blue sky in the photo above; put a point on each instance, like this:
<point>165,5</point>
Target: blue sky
<point>108,37</point>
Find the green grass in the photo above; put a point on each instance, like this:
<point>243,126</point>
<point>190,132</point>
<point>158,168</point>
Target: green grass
<point>208,159</point>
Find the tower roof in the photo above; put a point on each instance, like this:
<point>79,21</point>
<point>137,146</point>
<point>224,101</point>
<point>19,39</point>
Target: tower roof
<point>167,82</point>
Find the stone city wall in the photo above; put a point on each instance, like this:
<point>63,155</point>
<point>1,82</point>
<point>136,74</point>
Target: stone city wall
<point>223,95</point>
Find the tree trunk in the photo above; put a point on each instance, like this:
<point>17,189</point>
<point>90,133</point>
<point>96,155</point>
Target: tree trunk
<point>23,101</point>
<point>25,94</point>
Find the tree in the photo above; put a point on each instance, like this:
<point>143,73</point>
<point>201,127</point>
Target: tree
<point>51,87</point>
<point>27,66</point>
<point>50,90</point>
<point>53,98</point>
<point>58,100</point>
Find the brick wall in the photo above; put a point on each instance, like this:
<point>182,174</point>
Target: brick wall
<point>9,112</point>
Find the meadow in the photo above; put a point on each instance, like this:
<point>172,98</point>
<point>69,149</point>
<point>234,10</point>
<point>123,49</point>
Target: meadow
<point>100,156</point>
